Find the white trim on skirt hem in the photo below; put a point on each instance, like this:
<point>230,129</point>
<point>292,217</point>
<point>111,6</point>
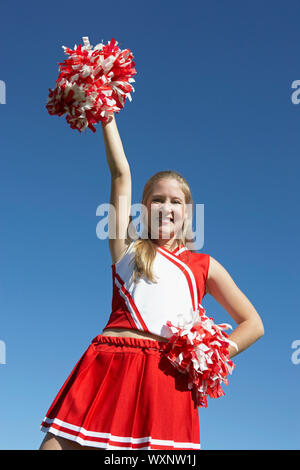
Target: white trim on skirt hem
<point>110,439</point>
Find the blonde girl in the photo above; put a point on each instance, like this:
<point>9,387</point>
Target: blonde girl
<point>123,393</point>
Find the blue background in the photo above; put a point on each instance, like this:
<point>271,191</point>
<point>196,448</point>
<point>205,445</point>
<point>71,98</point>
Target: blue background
<point>212,101</point>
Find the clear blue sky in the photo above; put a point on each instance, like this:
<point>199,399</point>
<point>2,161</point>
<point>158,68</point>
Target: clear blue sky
<point>213,101</point>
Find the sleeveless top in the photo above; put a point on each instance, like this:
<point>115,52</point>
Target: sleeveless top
<point>146,306</point>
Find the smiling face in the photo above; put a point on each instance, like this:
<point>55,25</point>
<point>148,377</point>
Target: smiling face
<point>166,211</point>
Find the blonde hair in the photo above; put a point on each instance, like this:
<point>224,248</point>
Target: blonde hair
<point>145,249</point>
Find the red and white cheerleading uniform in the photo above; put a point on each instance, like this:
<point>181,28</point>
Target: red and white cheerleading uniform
<point>124,393</point>
<point>147,306</point>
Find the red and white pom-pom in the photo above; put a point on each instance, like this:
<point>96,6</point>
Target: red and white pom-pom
<point>93,84</point>
<point>200,349</point>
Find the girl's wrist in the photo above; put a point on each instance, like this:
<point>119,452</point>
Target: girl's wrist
<point>110,119</point>
<point>232,351</point>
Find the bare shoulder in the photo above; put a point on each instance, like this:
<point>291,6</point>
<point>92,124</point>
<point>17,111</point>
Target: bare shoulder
<point>118,248</point>
<point>216,274</point>
<point>222,287</point>
<point>214,268</point>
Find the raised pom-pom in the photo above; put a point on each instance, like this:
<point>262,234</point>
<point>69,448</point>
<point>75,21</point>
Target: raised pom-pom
<point>199,348</point>
<point>93,84</point>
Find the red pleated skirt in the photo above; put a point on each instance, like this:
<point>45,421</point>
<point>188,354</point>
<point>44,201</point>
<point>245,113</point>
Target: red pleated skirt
<point>123,394</point>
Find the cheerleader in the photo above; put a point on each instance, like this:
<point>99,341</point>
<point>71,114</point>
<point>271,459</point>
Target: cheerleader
<point>124,392</point>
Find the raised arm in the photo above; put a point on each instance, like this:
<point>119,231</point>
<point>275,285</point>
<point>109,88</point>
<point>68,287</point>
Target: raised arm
<point>120,195</point>
<point>221,286</point>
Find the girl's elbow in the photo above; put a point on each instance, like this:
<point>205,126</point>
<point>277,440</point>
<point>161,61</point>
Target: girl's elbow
<point>256,327</point>
<point>260,329</point>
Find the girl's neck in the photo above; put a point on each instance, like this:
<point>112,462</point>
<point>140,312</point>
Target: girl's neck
<point>169,245</point>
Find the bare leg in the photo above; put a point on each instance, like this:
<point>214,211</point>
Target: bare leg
<point>52,442</point>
